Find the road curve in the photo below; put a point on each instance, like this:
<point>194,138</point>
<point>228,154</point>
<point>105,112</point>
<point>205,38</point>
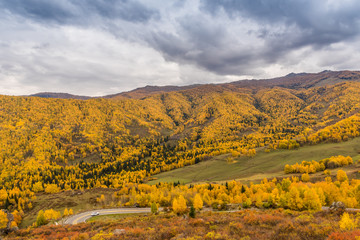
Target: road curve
<point>346,209</point>
<point>82,217</point>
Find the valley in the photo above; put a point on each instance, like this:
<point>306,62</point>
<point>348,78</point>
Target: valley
<point>213,146</point>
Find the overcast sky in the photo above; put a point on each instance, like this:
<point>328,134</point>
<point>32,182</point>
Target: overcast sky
<point>98,47</point>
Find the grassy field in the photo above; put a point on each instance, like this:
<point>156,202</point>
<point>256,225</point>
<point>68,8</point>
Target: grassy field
<point>262,165</point>
<point>76,200</point>
<point>114,217</point>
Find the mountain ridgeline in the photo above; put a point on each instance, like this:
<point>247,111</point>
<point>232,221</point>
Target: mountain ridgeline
<point>63,144</point>
<point>292,81</point>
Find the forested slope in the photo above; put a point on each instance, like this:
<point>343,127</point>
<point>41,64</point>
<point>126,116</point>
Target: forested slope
<point>57,144</point>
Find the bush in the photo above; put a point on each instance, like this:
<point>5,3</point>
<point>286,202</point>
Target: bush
<point>247,203</point>
<point>347,223</point>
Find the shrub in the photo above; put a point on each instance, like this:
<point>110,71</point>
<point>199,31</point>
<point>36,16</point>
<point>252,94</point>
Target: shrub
<point>347,223</point>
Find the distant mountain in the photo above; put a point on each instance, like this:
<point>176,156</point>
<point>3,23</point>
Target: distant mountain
<point>290,81</point>
<point>59,95</point>
<point>149,90</point>
<point>301,80</point>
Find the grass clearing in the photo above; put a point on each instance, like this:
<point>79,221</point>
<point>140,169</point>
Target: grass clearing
<point>114,217</point>
<point>263,165</point>
<point>77,200</point>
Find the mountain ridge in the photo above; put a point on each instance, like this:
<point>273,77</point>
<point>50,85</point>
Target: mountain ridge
<point>291,81</point>
<point>59,95</point>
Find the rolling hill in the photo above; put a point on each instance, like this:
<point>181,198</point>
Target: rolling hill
<point>58,95</point>
<point>291,81</point>
<point>55,144</point>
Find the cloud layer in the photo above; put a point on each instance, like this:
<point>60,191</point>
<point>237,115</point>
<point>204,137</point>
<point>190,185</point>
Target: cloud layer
<point>106,46</point>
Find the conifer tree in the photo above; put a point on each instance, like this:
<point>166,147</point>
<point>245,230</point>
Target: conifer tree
<point>192,212</point>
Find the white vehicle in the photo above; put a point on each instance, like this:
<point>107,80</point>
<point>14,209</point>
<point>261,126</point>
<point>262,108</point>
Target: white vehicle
<point>95,214</point>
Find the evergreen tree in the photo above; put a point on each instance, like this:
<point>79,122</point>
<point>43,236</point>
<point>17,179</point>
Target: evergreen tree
<point>242,189</point>
<point>192,212</point>
<point>7,203</point>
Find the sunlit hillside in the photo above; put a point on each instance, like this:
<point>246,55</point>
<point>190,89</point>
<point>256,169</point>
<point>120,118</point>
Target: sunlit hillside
<point>52,145</point>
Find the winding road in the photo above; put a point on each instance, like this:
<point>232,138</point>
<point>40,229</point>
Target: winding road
<point>82,217</point>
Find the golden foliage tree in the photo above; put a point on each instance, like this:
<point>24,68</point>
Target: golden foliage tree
<point>3,219</point>
<point>341,176</point>
<point>347,223</point>
<point>179,205</point>
<point>198,202</point>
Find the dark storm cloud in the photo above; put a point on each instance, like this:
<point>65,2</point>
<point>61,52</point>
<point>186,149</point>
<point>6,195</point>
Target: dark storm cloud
<point>79,11</point>
<point>113,44</point>
<point>208,46</point>
<point>322,22</point>
<point>280,26</point>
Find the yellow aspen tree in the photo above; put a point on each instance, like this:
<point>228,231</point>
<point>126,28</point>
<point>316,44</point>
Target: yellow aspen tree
<point>341,176</point>
<point>347,223</point>
<point>311,200</point>
<point>101,199</point>
<point>179,205</point>
<point>51,214</point>
<point>3,219</point>
<point>305,177</point>
<point>17,217</point>
<point>3,195</point>
<point>198,202</point>
<point>40,220</point>
<point>66,212</point>
<point>294,200</point>
<point>175,205</point>
<point>37,187</point>
<point>52,188</point>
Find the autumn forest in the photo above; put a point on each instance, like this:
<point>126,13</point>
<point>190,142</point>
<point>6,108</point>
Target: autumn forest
<point>52,146</point>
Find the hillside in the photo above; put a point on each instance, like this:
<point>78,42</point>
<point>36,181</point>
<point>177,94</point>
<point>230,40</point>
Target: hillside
<point>58,95</point>
<point>303,80</point>
<point>291,81</point>
<point>263,165</point>
<point>52,145</point>
<point>149,90</point>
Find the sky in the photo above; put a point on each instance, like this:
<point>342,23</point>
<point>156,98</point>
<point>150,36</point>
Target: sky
<point>100,47</point>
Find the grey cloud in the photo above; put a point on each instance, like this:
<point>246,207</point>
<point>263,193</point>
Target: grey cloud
<point>208,44</point>
<point>79,11</point>
<point>118,44</point>
<point>280,26</point>
<point>328,22</point>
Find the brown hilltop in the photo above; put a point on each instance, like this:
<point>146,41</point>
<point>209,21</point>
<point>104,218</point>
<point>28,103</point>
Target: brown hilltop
<point>59,95</point>
<point>290,81</point>
<point>149,90</point>
<point>302,80</point>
